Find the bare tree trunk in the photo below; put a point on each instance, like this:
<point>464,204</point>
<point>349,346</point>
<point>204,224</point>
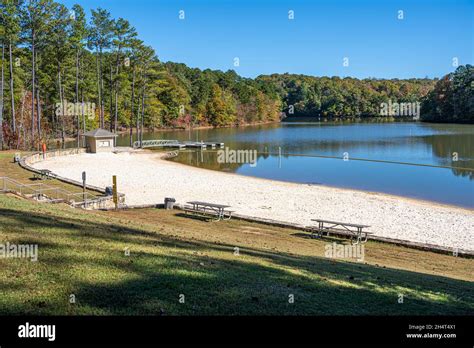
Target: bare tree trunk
<point>143,114</point>
<point>82,100</point>
<point>12,90</point>
<point>1,99</point>
<point>61,99</point>
<point>116,85</point>
<point>22,109</point>
<point>132,107</point>
<point>116,113</point>
<point>38,108</point>
<point>54,117</point>
<point>102,105</point>
<point>38,114</point>
<point>101,119</point>
<point>63,130</point>
<point>77,100</point>
<point>33,78</point>
<point>83,118</point>
<point>112,125</point>
<point>138,119</point>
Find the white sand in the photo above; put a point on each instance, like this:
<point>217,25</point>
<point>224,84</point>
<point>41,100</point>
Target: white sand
<point>146,179</point>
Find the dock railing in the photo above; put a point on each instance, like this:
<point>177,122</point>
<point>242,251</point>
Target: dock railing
<point>176,144</point>
<point>156,143</point>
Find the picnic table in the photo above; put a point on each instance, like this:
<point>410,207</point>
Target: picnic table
<point>205,208</point>
<point>355,231</point>
<point>43,174</point>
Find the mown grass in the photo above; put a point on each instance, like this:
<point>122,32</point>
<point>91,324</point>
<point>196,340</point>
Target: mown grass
<point>83,253</point>
<point>12,170</point>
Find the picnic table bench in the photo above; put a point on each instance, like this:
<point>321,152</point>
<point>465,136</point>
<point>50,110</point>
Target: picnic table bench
<point>355,231</point>
<point>43,174</point>
<point>218,211</point>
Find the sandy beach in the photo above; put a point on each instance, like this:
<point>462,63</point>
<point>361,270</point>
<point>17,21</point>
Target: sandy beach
<point>146,178</point>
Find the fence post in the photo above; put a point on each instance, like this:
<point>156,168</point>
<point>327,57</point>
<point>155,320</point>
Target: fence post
<point>114,190</point>
<point>84,197</point>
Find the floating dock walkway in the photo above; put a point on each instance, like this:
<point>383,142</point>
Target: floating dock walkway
<point>176,144</point>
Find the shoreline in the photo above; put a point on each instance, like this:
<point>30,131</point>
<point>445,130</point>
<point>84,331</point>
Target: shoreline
<point>175,129</point>
<point>146,178</point>
<point>394,196</point>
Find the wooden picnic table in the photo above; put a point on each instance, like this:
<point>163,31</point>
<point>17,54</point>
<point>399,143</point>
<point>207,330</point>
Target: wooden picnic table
<point>358,233</point>
<point>206,208</point>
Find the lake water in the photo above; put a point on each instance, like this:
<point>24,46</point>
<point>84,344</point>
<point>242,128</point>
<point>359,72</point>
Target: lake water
<point>417,143</point>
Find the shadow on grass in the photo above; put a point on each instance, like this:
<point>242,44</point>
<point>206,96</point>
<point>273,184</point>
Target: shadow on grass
<point>196,217</point>
<point>325,238</point>
<point>87,258</point>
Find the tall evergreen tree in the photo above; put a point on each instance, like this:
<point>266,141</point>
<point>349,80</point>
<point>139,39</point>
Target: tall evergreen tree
<point>11,20</point>
<point>35,23</point>
<point>78,37</point>
<point>100,36</point>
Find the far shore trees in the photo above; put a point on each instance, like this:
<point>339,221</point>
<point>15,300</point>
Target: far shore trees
<point>452,99</point>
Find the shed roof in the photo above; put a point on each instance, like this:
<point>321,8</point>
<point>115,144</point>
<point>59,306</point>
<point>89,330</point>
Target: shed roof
<point>99,133</point>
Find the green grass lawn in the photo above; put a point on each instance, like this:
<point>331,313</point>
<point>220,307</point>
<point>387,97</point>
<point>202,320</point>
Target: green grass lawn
<point>83,253</point>
<point>13,171</point>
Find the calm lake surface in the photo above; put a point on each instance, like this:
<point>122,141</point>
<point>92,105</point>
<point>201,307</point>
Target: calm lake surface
<point>418,143</point>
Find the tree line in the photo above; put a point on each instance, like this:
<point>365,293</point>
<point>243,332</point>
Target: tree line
<point>452,99</point>
<point>63,73</point>
<point>335,97</point>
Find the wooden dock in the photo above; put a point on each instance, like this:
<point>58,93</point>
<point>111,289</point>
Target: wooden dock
<point>214,145</point>
<point>194,144</point>
<point>176,144</point>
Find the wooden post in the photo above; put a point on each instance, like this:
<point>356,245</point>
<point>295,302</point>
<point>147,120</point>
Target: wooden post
<point>84,188</point>
<point>114,190</point>
<point>279,156</point>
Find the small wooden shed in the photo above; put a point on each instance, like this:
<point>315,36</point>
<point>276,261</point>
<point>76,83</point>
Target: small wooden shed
<point>99,140</point>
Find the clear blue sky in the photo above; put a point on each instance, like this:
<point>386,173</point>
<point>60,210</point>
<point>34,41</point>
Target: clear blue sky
<point>322,33</point>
